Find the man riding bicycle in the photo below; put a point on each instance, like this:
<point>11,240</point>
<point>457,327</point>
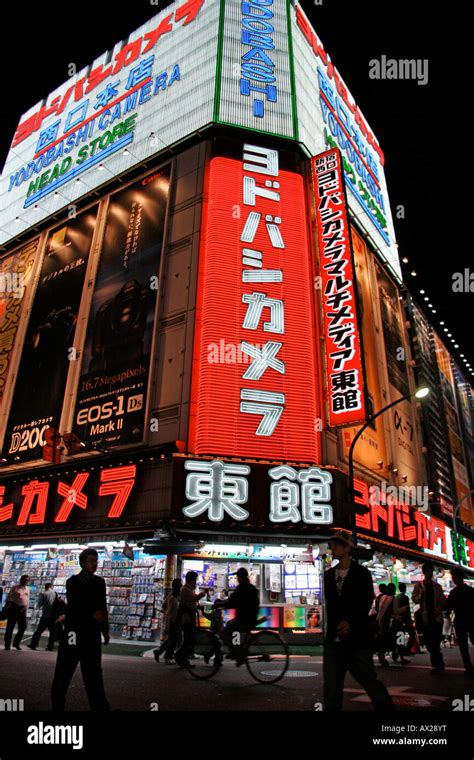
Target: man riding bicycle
<point>245,601</point>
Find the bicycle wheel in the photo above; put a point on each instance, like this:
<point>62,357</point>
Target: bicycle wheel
<point>208,656</point>
<point>267,657</point>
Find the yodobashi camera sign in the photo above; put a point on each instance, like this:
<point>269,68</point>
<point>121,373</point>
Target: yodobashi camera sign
<point>127,106</point>
<point>328,117</point>
<point>255,90</point>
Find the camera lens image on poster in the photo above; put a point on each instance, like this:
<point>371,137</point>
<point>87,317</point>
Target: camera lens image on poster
<point>42,375</point>
<point>111,397</point>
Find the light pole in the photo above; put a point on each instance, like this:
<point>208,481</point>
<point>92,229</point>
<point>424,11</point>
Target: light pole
<point>420,393</point>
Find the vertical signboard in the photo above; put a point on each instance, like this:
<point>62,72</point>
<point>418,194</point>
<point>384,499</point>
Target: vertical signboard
<point>255,83</point>
<point>15,278</point>
<point>42,375</point>
<point>461,478</point>
<point>254,386</point>
<point>345,376</point>
<point>111,397</point>
<point>371,448</point>
<point>329,117</point>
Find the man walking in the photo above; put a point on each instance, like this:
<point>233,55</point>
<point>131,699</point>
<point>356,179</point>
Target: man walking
<point>348,646</point>
<point>461,602</point>
<point>46,602</point>
<point>86,619</point>
<point>18,600</point>
<point>429,595</point>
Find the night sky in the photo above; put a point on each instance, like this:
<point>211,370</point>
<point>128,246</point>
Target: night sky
<point>425,131</point>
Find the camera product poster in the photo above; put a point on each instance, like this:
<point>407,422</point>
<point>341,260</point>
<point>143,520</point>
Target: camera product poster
<point>44,366</point>
<point>111,396</point>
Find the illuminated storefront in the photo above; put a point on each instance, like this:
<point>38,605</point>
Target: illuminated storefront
<point>204,284</point>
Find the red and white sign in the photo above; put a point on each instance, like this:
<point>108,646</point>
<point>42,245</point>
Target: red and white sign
<point>345,374</point>
<point>255,384</point>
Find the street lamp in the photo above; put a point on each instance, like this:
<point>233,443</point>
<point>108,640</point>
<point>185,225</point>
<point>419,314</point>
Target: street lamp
<point>419,394</point>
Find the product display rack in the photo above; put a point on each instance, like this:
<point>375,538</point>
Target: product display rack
<point>135,589</point>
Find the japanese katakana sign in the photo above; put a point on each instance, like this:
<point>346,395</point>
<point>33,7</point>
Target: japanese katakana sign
<point>255,281</point>
<point>345,376</point>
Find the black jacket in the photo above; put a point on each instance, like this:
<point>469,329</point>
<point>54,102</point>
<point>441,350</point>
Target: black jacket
<point>461,601</point>
<point>353,605</point>
<point>244,600</point>
<point>86,595</point>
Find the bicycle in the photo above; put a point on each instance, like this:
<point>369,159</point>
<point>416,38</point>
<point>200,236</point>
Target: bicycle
<point>264,652</point>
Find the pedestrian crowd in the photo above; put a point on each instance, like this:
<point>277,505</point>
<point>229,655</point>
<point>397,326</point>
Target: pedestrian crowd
<point>359,624</point>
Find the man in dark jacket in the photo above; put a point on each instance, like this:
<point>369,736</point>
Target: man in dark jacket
<point>348,646</point>
<point>461,602</point>
<point>244,600</point>
<point>86,619</point>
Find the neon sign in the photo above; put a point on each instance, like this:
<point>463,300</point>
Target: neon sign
<point>343,353</point>
<point>37,500</point>
<point>256,64</point>
<point>255,294</point>
<point>218,489</point>
<point>391,519</point>
<point>131,52</point>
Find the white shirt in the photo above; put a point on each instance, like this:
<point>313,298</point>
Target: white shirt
<point>19,595</point>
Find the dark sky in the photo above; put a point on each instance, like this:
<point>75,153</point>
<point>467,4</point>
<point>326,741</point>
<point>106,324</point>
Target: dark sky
<point>425,131</point>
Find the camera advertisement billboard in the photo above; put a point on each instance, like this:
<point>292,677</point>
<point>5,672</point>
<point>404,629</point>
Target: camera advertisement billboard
<point>402,418</point>
<point>16,272</point>
<point>112,392</point>
<point>371,447</point>
<point>39,391</point>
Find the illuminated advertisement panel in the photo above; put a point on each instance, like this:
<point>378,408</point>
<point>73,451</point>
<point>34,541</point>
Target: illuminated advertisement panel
<point>392,521</point>
<point>41,380</point>
<point>216,494</point>
<point>328,117</point>
<point>111,398</point>
<point>95,496</point>
<point>458,459</point>
<point>15,278</point>
<point>254,386</point>
<point>345,375</point>
<point>402,419</point>
<point>129,105</point>
<point>255,88</point>
<point>370,449</point>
